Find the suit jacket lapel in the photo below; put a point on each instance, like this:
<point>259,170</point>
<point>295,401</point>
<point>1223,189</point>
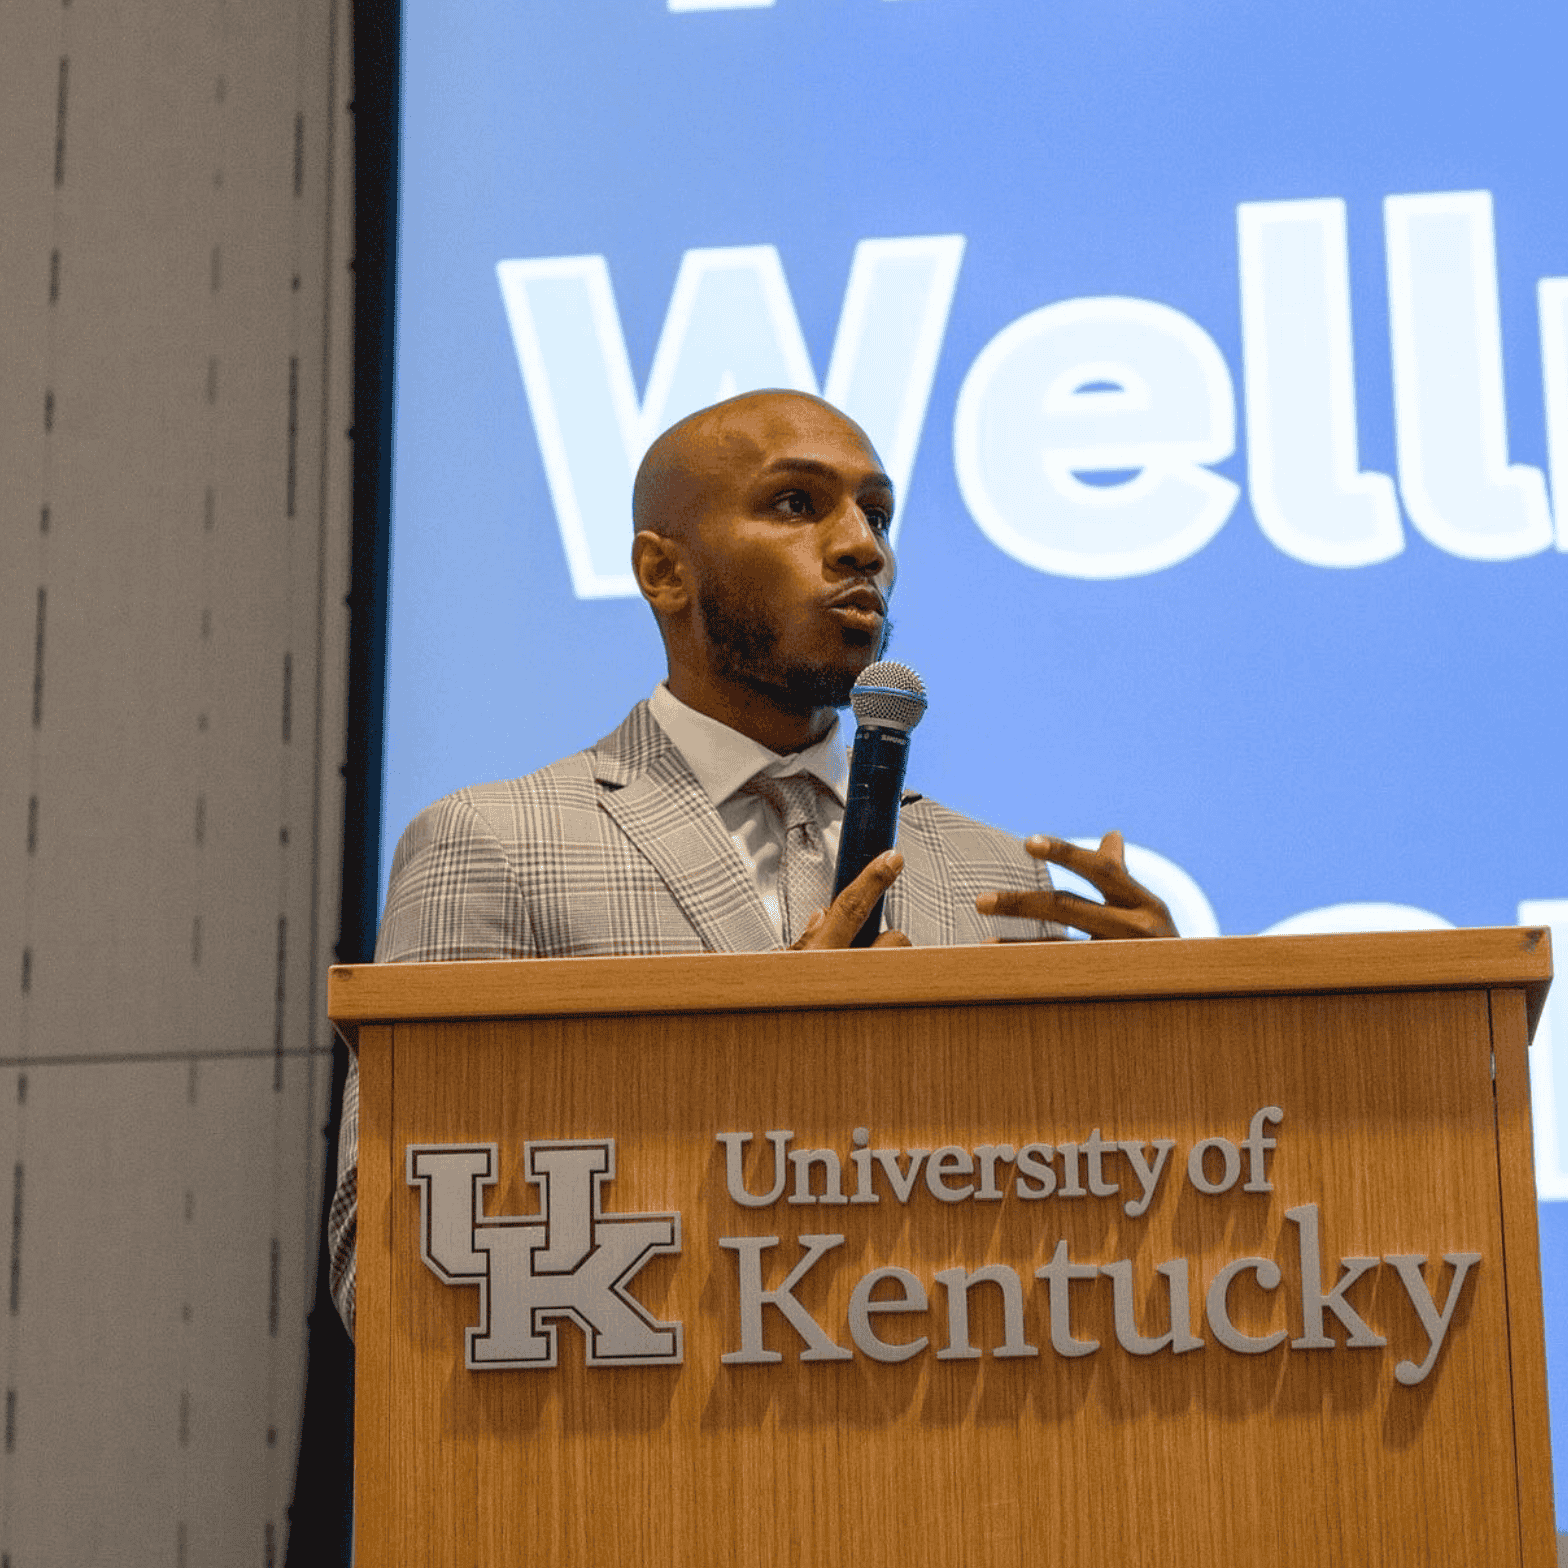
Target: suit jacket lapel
<point>921,902</point>
<point>646,787</point>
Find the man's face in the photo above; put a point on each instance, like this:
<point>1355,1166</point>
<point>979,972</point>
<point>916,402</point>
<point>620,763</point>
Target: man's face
<point>792,565</point>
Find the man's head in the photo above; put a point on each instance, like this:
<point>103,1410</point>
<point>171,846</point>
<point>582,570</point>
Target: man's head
<point>762,548</point>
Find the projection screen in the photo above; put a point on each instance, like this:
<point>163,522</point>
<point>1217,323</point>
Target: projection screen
<point>1219,353</point>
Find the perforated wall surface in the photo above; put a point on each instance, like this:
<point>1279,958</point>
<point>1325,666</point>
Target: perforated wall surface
<point>174,371</point>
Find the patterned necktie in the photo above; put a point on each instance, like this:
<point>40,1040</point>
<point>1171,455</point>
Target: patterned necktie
<point>805,877</point>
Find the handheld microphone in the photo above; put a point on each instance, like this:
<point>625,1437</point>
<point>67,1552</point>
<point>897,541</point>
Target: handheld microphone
<point>889,700</point>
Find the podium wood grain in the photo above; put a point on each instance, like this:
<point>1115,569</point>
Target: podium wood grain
<point>1302,1457</point>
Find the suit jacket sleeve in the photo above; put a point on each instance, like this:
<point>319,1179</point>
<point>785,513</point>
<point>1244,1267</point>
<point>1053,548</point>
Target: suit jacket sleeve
<point>453,895</point>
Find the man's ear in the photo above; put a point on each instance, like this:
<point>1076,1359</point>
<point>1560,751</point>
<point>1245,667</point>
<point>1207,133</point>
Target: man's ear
<point>659,565</point>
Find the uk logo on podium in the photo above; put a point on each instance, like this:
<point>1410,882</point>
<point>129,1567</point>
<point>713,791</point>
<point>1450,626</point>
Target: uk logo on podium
<point>571,1260</point>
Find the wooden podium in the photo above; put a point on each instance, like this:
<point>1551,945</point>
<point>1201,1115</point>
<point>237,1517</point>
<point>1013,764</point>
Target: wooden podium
<point>981,1354</point>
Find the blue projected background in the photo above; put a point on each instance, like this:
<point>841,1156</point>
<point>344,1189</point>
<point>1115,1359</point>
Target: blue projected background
<point>1221,354</point>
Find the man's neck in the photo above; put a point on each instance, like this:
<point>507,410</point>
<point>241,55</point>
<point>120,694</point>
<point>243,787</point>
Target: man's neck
<point>754,714</point>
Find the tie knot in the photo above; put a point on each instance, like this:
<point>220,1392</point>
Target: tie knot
<point>794,797</point>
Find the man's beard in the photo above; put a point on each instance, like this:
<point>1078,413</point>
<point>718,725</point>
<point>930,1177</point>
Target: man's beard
<point>745,639</point>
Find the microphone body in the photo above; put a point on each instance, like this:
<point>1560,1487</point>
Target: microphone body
<point>888,700</point>
<point>876,785</point>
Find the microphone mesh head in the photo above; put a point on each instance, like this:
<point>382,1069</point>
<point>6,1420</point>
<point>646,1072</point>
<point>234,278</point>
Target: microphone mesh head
<point>889,695</point>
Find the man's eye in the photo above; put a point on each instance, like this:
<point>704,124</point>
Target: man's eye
<point>880,518</point>
<point>796,502</point>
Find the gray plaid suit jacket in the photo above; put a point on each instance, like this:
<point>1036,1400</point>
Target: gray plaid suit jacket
<point>617,850</point>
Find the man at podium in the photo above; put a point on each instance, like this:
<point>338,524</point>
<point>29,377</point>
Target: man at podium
<point>709,821</point>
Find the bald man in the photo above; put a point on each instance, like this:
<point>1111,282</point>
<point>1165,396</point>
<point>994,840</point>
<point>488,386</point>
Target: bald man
<point>762,549</point>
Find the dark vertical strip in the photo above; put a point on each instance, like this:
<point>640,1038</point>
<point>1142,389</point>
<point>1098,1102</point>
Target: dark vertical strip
<point>377,70</point>
<point>212,378</point>
<point>59,122</point>
<point>10,1420</point>
<point>185,1418</point>
<point>209,510</point>
<point>48,411</point>
<point>278,996</point>
<point>293,446</point>
<point>269,1546</point>
<point>288,698</point>
<point>43,519</point>
<point>320,1517</point>
<point>54,277</point>
<point>27,970</point>
<point>274,1286</point>
<point>38,659</point>
<point>299,154</point>
<point>217,268</point>
<point>16,1239</point>
<point>32,824</point>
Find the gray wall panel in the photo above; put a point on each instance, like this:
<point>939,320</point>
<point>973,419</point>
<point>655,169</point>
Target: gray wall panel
<point>175,366</point>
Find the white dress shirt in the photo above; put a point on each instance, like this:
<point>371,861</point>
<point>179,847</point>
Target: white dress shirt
<point>723,759</point>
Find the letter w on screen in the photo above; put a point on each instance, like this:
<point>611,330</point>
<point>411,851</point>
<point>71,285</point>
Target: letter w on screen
<point>731,327</point>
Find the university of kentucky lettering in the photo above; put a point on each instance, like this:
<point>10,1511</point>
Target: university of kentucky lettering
<point>574,1261</point>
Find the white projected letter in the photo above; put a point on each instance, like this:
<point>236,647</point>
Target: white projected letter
<point>1549,1058</point>
<point>578,377</point>
<point>889,338</point>
<point>731,327</point>
<point>1553,297</point>
<point>1308,493</point>
<point>1097,386</point>
<point>1458,485</point>
<point>1338,919</point>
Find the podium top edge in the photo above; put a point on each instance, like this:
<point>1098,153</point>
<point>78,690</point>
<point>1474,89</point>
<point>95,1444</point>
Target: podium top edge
<point>1482,958</point>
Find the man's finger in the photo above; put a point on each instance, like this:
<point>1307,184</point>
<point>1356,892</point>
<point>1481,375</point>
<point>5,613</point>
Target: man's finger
<point>1026,941</point>
<point>1105,868</point>
<point>1109,922</point>
<point>848,912</point>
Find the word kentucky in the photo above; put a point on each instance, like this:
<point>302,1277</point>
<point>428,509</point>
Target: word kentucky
<point>1060,1275</point>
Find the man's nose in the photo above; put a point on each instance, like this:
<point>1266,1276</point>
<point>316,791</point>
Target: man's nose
<point>854,542</point>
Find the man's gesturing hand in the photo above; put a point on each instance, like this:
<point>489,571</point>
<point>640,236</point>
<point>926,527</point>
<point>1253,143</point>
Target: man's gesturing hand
<point>1129,910</point>
<point>836,925</point>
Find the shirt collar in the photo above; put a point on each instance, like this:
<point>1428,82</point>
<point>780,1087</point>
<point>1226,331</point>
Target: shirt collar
<point>723,759</point>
